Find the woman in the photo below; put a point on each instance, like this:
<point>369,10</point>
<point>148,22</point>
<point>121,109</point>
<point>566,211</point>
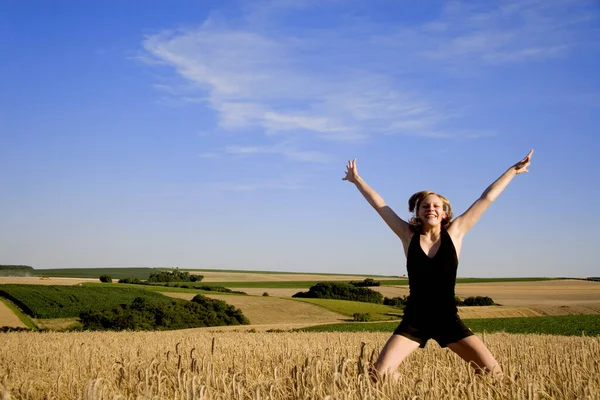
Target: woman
<point>432,244</point>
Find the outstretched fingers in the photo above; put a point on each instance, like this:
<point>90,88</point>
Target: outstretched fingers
<point>522,165</point>
<point>350,170</point>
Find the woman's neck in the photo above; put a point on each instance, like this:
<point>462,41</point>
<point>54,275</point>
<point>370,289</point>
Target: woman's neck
<point>430,231</point>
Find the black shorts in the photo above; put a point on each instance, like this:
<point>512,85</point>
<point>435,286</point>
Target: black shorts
<point>444,330</point>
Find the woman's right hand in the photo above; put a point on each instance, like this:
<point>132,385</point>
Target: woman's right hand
<point>351,172</point>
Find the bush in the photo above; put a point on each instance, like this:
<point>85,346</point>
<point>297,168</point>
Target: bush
<point>396,301</point>
<point>174,276</point>
<point>474,301</point>
<point>144,315</point>
<point>219,289</point>
<point>266,294</point>
<point>341,291</point>
<point>130,280</point>
<point>361,317</point>
<point>366,283</point>
<point>105,279</point>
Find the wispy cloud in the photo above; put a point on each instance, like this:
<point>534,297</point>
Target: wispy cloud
<point>348,82</point>
<point>282,85</point>
<point>288,152</point>
<point>484,34</point>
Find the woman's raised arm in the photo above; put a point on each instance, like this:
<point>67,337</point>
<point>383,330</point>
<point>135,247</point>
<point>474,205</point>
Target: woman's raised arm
<point>469,218</point>
<point>399,226</point>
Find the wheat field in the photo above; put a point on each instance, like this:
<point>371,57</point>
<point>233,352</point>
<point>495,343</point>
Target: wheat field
<point>199,364</point>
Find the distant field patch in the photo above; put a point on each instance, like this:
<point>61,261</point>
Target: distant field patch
<point>250,276</point>
<point>562,292</point>
<point>546,297</point>
<point>496,312</point>
<point>69,301</point>
<point>574,309</point>
<point>116,273</point>
<point>277,292</point>
<point>149,288</point>
<point>570,325</point>
<point>35,280</point>
<point>272,310</point>
<point>56,324</point>
<point>8,317</point>
<point>348,308</point>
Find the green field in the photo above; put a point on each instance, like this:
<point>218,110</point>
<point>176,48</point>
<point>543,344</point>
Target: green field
<point>567,325</point>
<point>115,273</point>
<point>378,312</point>
<point>241,271</point>
<point>41,301</point>
<point>154,288</point>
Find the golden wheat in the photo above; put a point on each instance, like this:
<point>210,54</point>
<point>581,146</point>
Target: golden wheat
<point>197,364</point>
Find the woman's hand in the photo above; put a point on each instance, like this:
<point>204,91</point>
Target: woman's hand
<point>522,165</point>
<point>351,172</point>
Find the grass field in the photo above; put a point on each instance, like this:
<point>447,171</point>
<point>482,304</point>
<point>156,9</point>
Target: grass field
<point>150,288</point>
<point>69,301</point>
<point>378,311</point>
<point>197,364</point>
<point>570,325</point>
<point>115,273</point>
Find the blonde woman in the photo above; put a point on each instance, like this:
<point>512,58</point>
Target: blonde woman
<point>432,243</point>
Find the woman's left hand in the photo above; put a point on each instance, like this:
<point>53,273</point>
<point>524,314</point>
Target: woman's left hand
<point>522,165</point>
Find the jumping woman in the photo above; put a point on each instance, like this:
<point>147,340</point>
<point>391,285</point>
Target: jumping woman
<point>432,242</point>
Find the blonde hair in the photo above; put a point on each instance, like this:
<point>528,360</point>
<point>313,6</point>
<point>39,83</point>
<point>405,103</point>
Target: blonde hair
<point>413,206</point>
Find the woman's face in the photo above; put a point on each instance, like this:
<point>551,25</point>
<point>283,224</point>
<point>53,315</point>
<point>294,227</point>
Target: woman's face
<point>431,210</point>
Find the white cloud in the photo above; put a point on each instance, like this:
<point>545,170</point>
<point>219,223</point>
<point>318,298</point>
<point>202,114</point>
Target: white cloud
<point>347,83</point>
<point>286,85</point>
<point>508,32</point>
<point>288,152</point>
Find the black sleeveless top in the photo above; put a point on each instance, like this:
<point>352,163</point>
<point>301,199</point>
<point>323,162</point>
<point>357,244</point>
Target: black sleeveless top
<point>431,280</point>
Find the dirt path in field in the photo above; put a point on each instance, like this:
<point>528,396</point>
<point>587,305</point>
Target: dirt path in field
<point>273,310</point>
<point>8,318</point>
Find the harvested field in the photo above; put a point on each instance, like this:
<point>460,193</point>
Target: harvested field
<point>199,364</point>
<point>273,310</point>
<point>523,294</point>
<point>8,318</point>
<point>215,276</point>
<point>529,294</point>
<point>583,309</point>
<point>36,280</point>
<point>496,312</point>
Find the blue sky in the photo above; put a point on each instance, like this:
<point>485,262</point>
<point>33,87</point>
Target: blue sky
<point>214,134</point>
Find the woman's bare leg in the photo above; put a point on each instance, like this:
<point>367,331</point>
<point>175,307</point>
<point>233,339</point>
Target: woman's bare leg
<point>393,353</point>
<point>473,350</point>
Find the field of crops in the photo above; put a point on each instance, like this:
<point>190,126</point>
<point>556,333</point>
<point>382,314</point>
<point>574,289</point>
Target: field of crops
<point>115,273</point>
<point>195,364</point>
<point>69,301</point>
<point>567,325</point>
